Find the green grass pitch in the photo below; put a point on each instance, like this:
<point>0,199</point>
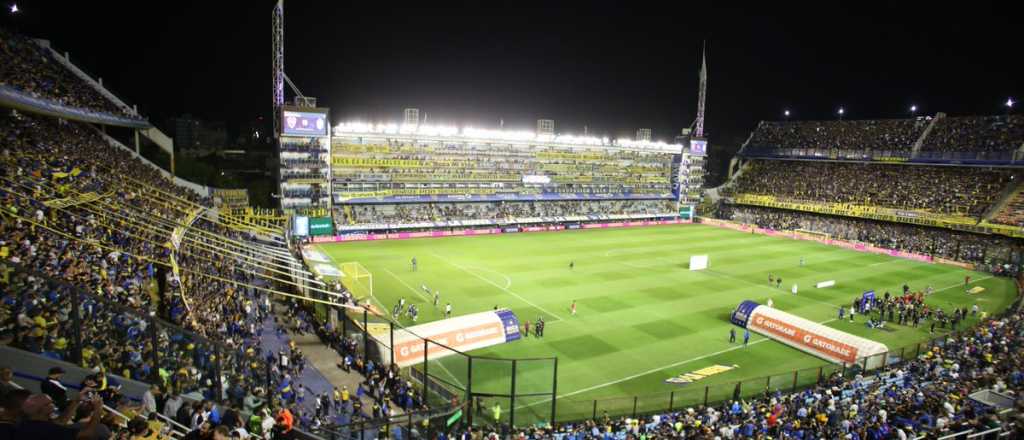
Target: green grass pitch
<point>642,317</point>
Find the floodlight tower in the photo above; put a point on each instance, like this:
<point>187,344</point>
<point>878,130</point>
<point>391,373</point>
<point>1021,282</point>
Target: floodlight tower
<point>302,131</point>
<point>689,177</point>
<point>278,64</point>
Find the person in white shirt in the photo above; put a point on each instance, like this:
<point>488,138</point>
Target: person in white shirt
<point>149,400</point>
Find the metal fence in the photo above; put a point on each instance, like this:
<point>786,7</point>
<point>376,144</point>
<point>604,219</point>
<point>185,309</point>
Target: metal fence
<point>494,391</point>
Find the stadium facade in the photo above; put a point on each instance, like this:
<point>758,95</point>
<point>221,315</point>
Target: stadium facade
<point>418,176</point>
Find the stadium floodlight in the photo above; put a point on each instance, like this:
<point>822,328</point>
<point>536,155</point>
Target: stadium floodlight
<point>1009,103</point>
<point>913,109</point>
<point>841,111</point>
<point>14,8</point>
<point>786,113</point>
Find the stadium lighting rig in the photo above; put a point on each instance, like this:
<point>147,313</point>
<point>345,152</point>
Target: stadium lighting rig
<point>913,109</point>
<point>1010,103</point>
<point>786,113</point>
<point>841,111</point>
<point>14,8</point>
<point>473,133</point>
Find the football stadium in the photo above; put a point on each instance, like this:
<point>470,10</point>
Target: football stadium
<point>850,278</point>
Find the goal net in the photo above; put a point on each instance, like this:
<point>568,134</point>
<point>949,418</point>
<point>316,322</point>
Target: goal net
<point>357,280</point>
<point>813,235</point>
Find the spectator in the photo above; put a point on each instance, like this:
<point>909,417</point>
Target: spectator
<point>53,388</point>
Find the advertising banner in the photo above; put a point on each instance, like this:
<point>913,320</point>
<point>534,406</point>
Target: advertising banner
<point>321,226</point>
<point>463,333</point>
<point>811,337</point>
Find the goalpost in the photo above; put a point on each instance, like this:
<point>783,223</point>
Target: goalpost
<point>357,280</point>
<point>813,235</point>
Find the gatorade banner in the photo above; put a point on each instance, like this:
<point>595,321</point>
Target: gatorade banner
<point>814,338</point>
<point>463,333</point>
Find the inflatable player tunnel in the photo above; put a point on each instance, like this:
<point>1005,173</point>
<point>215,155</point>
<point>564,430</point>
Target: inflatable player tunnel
<point>809,336</point>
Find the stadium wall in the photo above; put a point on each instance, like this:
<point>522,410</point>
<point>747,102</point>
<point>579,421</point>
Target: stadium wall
<point>489,231</point>
<point>851,245</point>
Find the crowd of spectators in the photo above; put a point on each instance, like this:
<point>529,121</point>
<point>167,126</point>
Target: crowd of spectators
<point>109,253</point>
<point>479,169</point>
<point>386,390</point>
<point>31,68</point>
<point>995,133</point>
<point>98,411</point>
<point>879,135</point>
<point>998,252</point>
<point>976,133</point>
<point>1013,213</point>
<point>944,190</point>
<point>435,212</point>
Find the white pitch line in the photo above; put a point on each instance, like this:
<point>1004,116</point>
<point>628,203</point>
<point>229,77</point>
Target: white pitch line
<point>655,370</point>
<point>508,279</point>
<point>496,285</point>
<point>958,284</point>
<point>416,291</point>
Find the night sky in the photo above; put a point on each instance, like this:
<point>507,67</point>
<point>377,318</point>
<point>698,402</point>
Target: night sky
<point>614,67</point>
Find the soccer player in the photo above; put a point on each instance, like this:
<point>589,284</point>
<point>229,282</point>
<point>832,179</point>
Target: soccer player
<point>413,312</point>
<point>746,337</point>
<point>771,303</point>
<point>527,328</point>
<point>572,264</point>
<point>401,302</point>
<point>437,297</point>
<point>794,288</point>
<point>414,264</point>
<point>771,279</point>
<point>801,261</point>
<point>842,312</point>
<point>778,283</point>
<point>396,310</point>
<point>967,280</point>
<point>448,310</point>
<point>732,335</point>
<point>572,308</point>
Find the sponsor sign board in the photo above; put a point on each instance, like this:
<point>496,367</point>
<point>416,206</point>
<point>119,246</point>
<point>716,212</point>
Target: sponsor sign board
<point>803,338</point>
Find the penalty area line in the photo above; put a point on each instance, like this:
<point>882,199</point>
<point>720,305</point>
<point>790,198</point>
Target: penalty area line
<point>421,294</point>
<point>464,269</point>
